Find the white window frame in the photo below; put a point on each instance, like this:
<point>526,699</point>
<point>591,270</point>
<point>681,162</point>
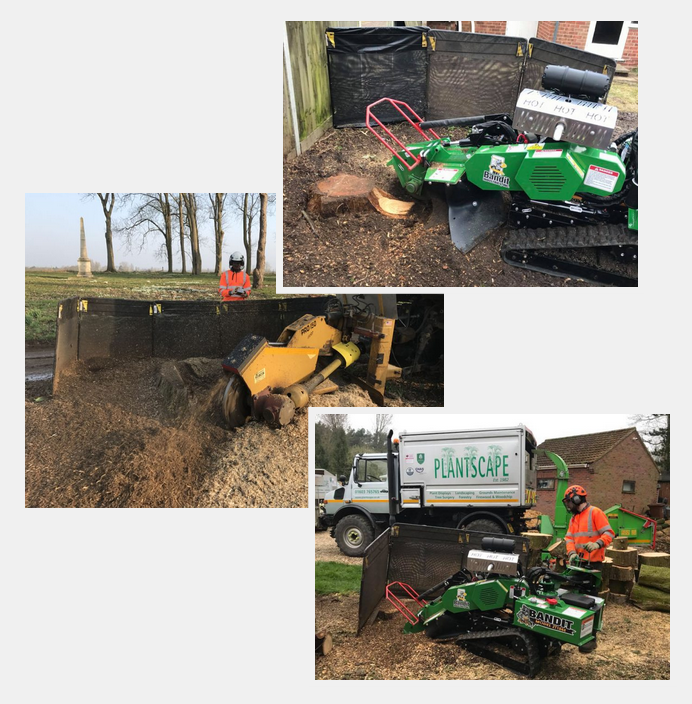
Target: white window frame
<point>611,51</point>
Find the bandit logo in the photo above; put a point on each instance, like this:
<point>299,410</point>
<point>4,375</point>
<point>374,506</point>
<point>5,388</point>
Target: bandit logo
<point>496,174</point>
<point>530,618</point>
<point>461,601</point>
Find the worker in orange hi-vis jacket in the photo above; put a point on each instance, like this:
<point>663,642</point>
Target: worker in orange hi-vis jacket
<point>588,535</point>
<point>234,284</point>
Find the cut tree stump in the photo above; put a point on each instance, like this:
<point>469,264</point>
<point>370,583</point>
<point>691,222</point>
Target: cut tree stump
<point>620,543</point>
<point>617,598</point>
<point>557,549</point>
<point>623,558</point>
<point>655,559</point>
<point>618,586</point>
<point>389,205</point>
<point>340,194</point>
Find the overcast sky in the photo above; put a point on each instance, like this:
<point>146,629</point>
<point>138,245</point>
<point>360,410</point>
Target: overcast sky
<point>52,235</point>
<point>542,426</point>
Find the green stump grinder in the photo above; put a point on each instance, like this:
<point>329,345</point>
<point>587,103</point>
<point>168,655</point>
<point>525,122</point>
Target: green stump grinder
<point>493,609</point>
<point>552,173</point>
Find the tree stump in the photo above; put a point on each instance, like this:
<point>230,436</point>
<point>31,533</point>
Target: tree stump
<point>340,194</point>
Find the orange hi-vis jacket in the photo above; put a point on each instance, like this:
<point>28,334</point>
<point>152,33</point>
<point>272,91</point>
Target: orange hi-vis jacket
<point>587,527</point>
<point>231,280</point>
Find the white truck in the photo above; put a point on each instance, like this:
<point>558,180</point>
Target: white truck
<point>324,483</point>
<point>481,480</point>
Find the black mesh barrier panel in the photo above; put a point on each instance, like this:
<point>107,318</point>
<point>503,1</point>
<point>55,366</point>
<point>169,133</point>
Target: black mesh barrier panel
<point>107,327</point>
<point>374,579</point>
<point>420,556</point>
<point>545,53</point>
<point>473,74</point>
<point>369,63</point>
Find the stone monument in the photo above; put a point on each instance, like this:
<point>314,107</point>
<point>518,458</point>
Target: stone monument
<point>84,262</point>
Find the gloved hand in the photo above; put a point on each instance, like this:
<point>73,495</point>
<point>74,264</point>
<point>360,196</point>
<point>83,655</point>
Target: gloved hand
<point>572,557</point>
<point>592,546</point>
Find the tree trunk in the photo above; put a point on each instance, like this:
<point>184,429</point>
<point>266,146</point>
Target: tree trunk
<point>258,273</point>
<point>247,233</point>
<point>168,220</point>
<point>191,208</point>
<point>108,212</point>
<point>217,207</point>
<point>182,230</point>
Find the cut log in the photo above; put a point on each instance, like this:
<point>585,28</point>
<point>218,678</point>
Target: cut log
<point>623,558</point>
<point>620,543</point>
<point>649,599</point>
<point>622,574</point>
<point>557,549</point>
<point>617,586</point>
<point>655,577</point>
<point>388,205</point>
<point>323,643</point>
<point>617,598</point>
<point>656,559</point>
<point>538,541</point>
<point>340,194</point>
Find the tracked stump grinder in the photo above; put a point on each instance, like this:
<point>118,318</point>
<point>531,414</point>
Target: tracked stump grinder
<point>552,173</point>
<point>494,609</point>
<point>270,380</point>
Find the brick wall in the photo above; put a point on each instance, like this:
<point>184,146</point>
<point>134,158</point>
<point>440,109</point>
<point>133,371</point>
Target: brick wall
<point>491,28</point>
<point>545,31</point>
<point>629,460</point>
<point>630,55</point>
<point>465,26</point>
<point>573,34</point>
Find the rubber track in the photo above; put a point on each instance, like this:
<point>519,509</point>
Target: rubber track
<point>601,235</point>
<point>554,244</point>
<point>529,668</point>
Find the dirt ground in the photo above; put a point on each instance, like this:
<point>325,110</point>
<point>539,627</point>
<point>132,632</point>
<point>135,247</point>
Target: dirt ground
<point>369,249</point>
<point>383,651</point>
<point>110,439</point>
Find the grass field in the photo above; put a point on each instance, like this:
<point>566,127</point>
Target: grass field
<point>337,578</point>
<point>45,288</point>
<point>624,95</point>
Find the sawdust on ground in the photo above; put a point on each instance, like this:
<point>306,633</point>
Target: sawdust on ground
<point>106,440</point>
<point>383,651</point>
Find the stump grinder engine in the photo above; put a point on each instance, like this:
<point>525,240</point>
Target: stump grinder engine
<point>494,610</point>
<point>570,189</point>
<point>270,380</point>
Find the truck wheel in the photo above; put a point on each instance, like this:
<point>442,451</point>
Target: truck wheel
<point>484,525</point>
<point>353,534</point>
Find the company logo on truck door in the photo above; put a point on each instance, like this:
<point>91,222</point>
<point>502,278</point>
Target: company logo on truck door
<point>472,464</point>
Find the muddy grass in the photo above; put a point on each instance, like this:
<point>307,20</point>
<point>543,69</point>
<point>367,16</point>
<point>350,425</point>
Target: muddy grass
<point>369,249</point>
<point>109,439</point>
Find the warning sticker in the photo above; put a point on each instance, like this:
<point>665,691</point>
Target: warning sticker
<point>600,178</point>
<point>260,375</point>
<point>587,627</point>
<point>443,175</point>
<point>571,611</point>
<point>516,148</point>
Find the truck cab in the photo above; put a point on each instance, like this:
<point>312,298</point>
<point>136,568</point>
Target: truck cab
<point>480,480</point>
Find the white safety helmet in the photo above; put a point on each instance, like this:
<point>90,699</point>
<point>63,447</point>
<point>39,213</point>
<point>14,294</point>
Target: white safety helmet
<point>236,257</point>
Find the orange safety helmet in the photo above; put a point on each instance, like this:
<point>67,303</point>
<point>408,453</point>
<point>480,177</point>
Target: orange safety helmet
<point>576,494</point>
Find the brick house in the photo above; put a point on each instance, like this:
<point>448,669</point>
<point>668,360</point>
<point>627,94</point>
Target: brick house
<point>616,40</point>
<point>614,467</point>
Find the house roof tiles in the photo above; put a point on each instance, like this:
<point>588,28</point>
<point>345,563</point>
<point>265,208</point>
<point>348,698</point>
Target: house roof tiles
<point>582,449</point>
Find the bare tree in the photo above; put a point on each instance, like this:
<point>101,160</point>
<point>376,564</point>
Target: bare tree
<point>382,423</point>
<point>246,206</point>
<point>655,431</point>
<point>150,213</point>
<point>334,420</point>
<point>190,200</point>
<point>258,273</point>
<point>181,226</point>
<point>217,201</point>
<point>107,204</point>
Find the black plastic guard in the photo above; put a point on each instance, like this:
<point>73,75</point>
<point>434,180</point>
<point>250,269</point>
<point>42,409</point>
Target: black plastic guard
<point>472,216</point>
<point>244,350</point>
